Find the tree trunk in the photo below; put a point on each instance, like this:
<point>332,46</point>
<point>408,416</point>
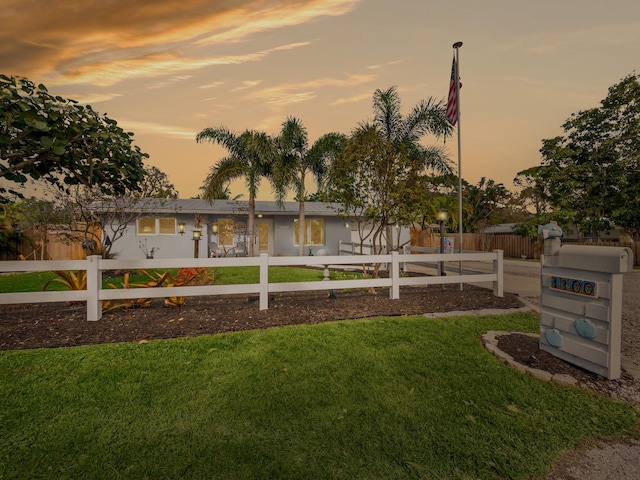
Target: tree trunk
<point>301,227</point>
<point>251,226</point>
<point>301,221</point>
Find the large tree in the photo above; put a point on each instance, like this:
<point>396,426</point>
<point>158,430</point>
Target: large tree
<point>251,155</point>
<point>49,138</point>
<point>592,170</point>
<point>385,168</point>
<point>296,160</point>
<point>488,203</point>
<point>87,214</point>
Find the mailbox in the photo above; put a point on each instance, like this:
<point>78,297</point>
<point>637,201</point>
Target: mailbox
<point>581,305</point>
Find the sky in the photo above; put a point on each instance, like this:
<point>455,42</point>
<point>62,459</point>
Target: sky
<point>167,69</point>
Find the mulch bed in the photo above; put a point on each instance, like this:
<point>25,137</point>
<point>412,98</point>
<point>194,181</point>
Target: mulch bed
<point>64,324</point>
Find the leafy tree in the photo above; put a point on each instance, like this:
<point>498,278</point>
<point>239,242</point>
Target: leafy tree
<point>488,202</point>
<point>60,142</point>
<point>592,170</point>
<point>156,184</point>
<point>296,160</point>
<point>10,219</point>
<point>251,155</point>
<point>383,172</point>
<point>534,192</point>
<point>219,191</point>
<point>78,212</point>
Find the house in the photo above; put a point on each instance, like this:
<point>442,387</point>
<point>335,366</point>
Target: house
<point>199,228</point>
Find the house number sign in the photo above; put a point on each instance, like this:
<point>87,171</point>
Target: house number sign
<point>586,288</point>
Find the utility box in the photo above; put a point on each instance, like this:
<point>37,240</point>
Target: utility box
<point>581,306</point>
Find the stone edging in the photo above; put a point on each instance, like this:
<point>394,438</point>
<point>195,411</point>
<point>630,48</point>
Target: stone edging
<point>490,341</point>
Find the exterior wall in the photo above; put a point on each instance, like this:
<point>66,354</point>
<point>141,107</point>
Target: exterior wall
<point>404,239</point>
<point>182,246</point>
<point>283,232</point>
<point>167,246</point>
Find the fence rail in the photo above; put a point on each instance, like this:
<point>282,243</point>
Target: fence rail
<point>95,265</point>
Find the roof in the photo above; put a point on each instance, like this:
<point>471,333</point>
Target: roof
<point>501,228</point>
<point>225,207</point>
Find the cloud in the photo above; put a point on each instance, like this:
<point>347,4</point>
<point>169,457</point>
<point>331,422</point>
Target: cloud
<point>247,84</point>
<point>354,99</point>
<point>90,99</point>
<point>82,41</point>
<point>289,93</point>
<point>150,128</point>
<point>212,85</point>
<point>107,74</point>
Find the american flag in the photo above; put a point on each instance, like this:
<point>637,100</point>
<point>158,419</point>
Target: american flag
<point>452,102</point>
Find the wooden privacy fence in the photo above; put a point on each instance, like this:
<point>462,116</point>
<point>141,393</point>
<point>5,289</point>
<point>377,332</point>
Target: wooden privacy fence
<point>51,244</point>
<point>95,265</point>
<point>513,246</point>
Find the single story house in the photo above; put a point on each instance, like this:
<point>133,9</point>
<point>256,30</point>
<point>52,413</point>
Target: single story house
<point>189,228</point>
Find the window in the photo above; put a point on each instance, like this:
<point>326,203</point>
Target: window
<point>167,226</point>
<point>225,232</point>
<point>314,231</point>
<point>146,226</point>
<point>156,226</point>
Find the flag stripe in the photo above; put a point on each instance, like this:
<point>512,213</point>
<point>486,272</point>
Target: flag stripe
<point>452,102</point>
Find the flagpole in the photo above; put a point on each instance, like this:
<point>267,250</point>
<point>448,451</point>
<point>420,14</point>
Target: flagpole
<point>457,46</point>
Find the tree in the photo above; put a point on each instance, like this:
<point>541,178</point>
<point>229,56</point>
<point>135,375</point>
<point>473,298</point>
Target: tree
<point>60,142</point>
<point>156,184</point>
<point>489,203</point>
<point>87,214</point>
<point>592,170</point>
<point>533,194</point>
<point>385,169</point>
<point>296,160</point>
<point>251,155</point>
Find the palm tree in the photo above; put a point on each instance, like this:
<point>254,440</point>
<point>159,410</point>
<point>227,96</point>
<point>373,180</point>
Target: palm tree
<point>386,152</point>
<point>427,117</point>
<point>295,161</point>
<point>251,155</point>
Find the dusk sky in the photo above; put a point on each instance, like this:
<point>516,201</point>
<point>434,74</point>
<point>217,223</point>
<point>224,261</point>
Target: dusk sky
<point>166,69</point>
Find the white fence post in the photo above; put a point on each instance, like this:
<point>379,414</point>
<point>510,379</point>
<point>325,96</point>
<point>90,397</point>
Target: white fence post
<point>394,273</point>
<point>498,269</point>
<point>94,284</point>
<point>264,281</point>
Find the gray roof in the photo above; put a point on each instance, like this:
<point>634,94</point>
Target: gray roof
<point>225,207</point>
<point>501,228</point>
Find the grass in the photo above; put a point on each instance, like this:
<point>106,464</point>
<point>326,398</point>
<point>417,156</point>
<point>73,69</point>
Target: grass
<point>34,281</point>
<point>392,397</point>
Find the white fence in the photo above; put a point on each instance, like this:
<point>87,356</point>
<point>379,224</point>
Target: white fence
<point>95,265</point>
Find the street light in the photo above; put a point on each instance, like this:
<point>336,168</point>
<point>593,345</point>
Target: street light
<point>197,233</point>
<point>442,216</point>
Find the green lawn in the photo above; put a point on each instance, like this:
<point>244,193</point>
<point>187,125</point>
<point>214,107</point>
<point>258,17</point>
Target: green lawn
<point>385,398</point>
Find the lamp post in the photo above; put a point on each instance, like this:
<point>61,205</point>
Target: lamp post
<point>442,216</point>
<point>197,233</point>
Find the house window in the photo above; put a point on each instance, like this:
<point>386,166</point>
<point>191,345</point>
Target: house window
<point>156,226</point>
<point>314,232</point>
<point>225,232</point>
<point>167,226</point>
<point>146,226</point>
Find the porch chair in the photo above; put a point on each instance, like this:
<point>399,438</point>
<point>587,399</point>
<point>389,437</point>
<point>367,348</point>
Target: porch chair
<point>215,251</point>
